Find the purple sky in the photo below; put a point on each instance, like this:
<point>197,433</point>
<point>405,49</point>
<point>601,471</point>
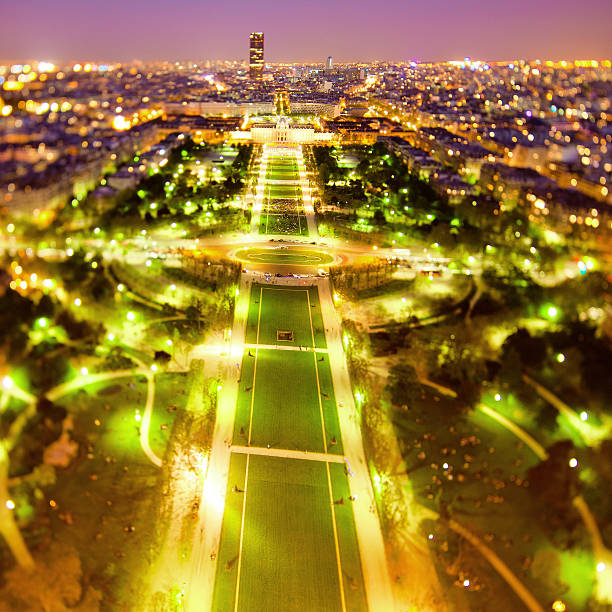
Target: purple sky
<point>113,30</point>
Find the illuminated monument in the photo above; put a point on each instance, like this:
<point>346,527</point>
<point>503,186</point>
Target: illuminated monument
<point>256,55</point>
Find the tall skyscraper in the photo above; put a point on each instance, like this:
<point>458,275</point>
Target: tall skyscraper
<point>256,55</point>
<point>329,63</point>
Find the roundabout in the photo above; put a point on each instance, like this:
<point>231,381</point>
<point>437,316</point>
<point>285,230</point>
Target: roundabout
<point>284,256</point>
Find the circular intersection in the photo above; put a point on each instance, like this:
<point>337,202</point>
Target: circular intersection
<point>284,256</point>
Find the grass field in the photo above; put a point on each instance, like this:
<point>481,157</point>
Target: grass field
<point>283,191</point>
<point>291,561</point>
<point>273,415</point>
<point>285,308</point>
<point>288,540</point>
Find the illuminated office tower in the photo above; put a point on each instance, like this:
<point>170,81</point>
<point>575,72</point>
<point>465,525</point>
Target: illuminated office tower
<point>329,63</point>
<point>256,55</point>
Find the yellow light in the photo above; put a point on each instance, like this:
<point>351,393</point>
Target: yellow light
<point>7,109</point>
<point>121,123</point>
<point>12,86</point>
<point>558,606</point>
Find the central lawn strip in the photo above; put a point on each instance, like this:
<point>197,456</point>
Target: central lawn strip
<point>354,589</point>
<point>227,563</point>
<point>328,401</point>
<point>285,308</point>
<point>283,191</point>
<point>286,412</point>
<point>288,552</point>
<point>281,309</point>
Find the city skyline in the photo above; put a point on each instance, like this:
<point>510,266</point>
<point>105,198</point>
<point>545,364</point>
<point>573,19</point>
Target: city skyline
<point>184,31</point>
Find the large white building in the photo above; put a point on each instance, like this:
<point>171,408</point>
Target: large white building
<point>283,131</point>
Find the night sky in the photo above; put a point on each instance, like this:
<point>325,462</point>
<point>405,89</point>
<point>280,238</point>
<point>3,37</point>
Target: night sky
<point>114,30</point>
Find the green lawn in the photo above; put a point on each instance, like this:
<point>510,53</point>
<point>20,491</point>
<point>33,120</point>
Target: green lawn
<point>285,308</point>
<point>354,590</point>
<point>283,191</point>
<point>283,416</point>
<point>288,559</point>
<point>282,172</point>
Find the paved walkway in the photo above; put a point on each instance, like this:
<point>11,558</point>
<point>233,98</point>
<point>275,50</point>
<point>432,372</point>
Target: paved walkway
<point>89,379</point>
<point>207,535</point>
<point>287,454</point>
<point>278,347</point>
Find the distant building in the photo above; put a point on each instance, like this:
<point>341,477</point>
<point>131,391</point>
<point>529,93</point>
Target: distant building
<point>329,63</point>
<point>281,102</point>
<point>256,55</point>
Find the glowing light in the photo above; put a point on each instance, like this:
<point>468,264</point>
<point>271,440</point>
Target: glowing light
<point>601,567</point>
<point>77,301</point>
<point>84,371</point>
<point>130,316</point>
<point>7,382</point>
<point>552,312</point>
<point>120,123</point>
<point>42,322</point>
<point>137,417</point>
<point>466,583</point>
<point>560,357</point>
<point>558,606</point>
<point>10,504</point>
<point>110,337</point>
<point>584,416</point>
<point>497,397</point>
<point>573,462</point>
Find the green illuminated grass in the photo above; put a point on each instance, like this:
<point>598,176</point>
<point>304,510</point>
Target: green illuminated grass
<point>227,564</point>
<point>285,308</point>
<point>288,559</point>
<point>283,191</point>
<point>286,417</point>
<point>354,590</point>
